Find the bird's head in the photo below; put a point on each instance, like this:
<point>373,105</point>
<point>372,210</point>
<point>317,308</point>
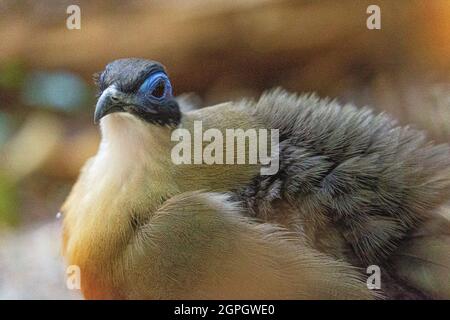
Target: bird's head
<point>139,87</point>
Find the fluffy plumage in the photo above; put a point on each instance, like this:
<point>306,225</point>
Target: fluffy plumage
<point>353,189</point>
<point>351,168</point>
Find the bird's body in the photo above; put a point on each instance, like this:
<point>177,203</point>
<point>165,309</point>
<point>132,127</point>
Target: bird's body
<point>352,190</point>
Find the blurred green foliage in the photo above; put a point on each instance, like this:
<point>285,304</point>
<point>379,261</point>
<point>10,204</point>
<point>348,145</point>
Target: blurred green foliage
<point>5,127</point>
<point>9,208</point>
<point>12,75</point>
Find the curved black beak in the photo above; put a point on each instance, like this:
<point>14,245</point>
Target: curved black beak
<point>110,101</point>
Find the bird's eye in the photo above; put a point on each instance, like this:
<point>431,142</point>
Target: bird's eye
<point>157,87</point>
<point>160,89</point>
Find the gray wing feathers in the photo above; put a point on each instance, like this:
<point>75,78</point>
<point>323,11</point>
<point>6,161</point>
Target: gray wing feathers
<point>372,180</point>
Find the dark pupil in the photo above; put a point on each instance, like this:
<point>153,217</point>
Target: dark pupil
<point>158,92</point>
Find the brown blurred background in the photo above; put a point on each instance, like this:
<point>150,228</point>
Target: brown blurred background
<point>220,50</point>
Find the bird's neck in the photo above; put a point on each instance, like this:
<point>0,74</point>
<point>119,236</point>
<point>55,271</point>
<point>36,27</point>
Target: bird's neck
<point>126,138</point>
<point>123,182</point>
<point>133,158</point>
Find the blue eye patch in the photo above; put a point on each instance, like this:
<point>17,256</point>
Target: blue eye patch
<point>157,87</point>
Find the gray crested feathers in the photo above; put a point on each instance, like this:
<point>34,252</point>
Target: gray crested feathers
<point>369,181</point>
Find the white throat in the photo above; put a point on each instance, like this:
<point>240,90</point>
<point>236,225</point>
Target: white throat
<point>132,153</point>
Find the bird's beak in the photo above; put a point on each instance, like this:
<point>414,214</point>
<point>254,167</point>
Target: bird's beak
<point>110,101</point>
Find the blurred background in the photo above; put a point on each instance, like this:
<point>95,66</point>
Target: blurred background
<point>219,49</point>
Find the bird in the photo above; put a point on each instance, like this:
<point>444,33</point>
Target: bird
<point>353,189</point>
